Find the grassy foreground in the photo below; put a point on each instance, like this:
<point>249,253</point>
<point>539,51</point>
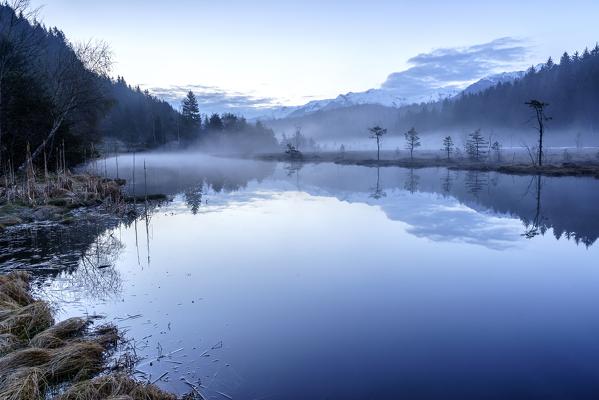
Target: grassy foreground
<point>41,359</point>
<point>50,197</point>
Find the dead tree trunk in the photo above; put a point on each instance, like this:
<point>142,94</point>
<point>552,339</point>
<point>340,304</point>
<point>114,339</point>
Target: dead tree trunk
<point>539,108</point>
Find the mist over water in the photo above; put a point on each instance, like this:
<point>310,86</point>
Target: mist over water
<point>289,281</point>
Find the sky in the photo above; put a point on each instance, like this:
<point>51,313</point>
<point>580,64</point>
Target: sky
<point>264,53</point>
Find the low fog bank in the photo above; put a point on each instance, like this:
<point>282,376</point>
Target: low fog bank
<point>350,127</point>
<point>173,172</point>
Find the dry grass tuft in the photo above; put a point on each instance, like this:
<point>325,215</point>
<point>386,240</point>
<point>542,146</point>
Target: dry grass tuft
<point>23,384</point>
<point>74,362</point>
<point>9,343</point>
<point>56,335</point>
<point>115,386</point>
<point>27,321</point>
<point>14,288</point>
<point>37,355</point>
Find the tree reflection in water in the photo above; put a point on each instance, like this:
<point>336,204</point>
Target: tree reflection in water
<point>293,169</point>
<point>535,226</point>
<point>96,272</point>
<point>476,181</point>
<point>96,276</point>
<point>447,183</point>
<point>193,197</point>
<point>377,191</point>
<point>412,181</point>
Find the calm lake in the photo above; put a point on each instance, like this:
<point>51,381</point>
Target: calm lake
<point>278,281</point>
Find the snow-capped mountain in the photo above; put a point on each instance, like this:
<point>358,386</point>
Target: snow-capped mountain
<point>385,97</point>
<point>493,80</point>
<point>389,97</point>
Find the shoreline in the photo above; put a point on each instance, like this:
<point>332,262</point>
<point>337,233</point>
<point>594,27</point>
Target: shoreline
<point>580,169</point>
<point>78,358</point>
<point>59,198</point>
<point>67,360</point>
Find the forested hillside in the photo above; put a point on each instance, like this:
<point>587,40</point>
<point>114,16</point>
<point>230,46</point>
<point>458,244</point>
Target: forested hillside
<point>571,88</point>
<point>53,91</point>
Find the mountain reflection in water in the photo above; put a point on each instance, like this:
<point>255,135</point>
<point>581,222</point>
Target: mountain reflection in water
<point>290,281</point>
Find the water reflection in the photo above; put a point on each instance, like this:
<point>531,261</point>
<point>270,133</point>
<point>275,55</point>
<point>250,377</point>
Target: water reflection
<point>412,180</point>
<point>569,210</point>
<point>377,191</point>
<point>96,273</point>
<point>536,227</point>
<point>193,198</point>
<point>404,283</point>
<point>476,182</point>
<point>447,182</point>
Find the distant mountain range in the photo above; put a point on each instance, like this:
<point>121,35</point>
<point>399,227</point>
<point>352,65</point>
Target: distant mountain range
<point>387,97</point>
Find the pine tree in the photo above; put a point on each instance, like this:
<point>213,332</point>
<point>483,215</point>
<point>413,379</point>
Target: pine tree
<point>412,141</point>
<point>448,146</point>
<point>215,123</point>
<point>565,60</point>
<point>377,133</point>
<point>476,146</point>
<point>191,110</point>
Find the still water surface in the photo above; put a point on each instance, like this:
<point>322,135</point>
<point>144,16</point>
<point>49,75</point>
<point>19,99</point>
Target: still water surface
<point>274,281</point>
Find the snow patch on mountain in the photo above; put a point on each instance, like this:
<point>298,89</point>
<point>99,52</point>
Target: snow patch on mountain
<point>390,97</point>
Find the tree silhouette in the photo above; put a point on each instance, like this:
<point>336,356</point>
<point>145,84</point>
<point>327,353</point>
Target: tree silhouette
<point>190,110</point>
<point>496,147</point>
<point>377,133</point>
<point>412,141</point>
<point>476,146</point>
<point>539,109</point>
<point>448,146</point>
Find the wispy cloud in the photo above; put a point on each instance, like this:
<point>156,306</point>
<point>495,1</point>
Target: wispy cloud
<point>441,71</point>
<point>454,68</point>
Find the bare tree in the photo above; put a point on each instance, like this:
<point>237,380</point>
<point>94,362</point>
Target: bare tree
<point>539,108</point>
<point>72,81</point>
<point>377,133</point>
<point>412,141</point>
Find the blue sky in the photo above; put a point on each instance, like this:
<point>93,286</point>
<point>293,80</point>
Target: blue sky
<point>261,52</point>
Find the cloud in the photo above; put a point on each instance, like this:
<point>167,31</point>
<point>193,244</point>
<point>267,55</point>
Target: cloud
<point>432,75</point>
<point>454,68</point>
<point>213,99</point>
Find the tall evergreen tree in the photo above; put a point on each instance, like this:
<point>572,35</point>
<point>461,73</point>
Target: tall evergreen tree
<point>190,110</point>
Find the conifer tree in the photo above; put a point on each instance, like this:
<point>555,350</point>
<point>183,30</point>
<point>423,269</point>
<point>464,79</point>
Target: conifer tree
<point>190,110</point>
<point>412,141</point>
<point>448,146</point>
<point>476,146</point>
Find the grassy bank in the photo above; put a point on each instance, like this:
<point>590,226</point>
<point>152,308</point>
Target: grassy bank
<point>590,169</point>
<point>51,197</point>
<point>41,359</point>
